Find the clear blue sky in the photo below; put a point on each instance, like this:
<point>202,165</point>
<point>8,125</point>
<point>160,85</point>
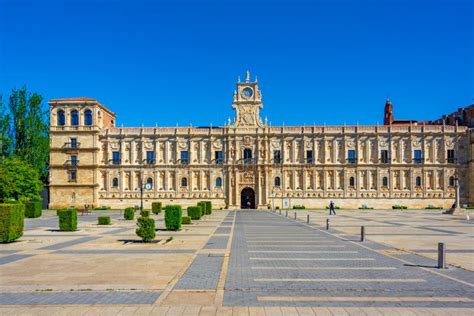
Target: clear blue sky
<point>178,61</point>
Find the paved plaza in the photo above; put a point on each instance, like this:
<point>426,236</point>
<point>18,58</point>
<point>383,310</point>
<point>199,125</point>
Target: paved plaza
<point>243,263</point>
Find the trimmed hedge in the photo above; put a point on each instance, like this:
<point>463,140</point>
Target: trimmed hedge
<point>399,207</point>
<point>299,207</point>
<point>33,209</point>
<point>202,205</point>
<point>68,220</point>
<point>208,207</point>
<point>186,220</point>
<point>156,207</point>
<point>129,213</point>
<point>12,217</point>
<point>145,213</point>
<point>173,217</point>
<point>146,228</point>
<point>195,212</point>
<point>103,220</point>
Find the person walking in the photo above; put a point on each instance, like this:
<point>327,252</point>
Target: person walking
<point>331,208</point>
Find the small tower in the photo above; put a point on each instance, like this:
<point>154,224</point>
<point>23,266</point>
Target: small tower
<point>388,113</point>
<point>247,103</point>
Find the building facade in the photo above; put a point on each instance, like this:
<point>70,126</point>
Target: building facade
<point>248,163</point>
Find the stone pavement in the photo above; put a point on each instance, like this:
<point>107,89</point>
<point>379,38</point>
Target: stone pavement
<point>233,263</point>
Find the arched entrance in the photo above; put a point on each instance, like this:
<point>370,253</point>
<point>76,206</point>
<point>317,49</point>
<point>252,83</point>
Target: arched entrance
<point>247,198</point>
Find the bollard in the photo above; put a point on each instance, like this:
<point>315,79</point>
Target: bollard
<point>295,215</point>
<point>307,219</point>
<point>441,256</point>
<point>280,212</point>
<point>286,214</point>
<point>327,224</point>
<point>362,233</point>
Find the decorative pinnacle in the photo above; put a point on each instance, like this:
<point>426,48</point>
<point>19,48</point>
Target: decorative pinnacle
<point>247,79</point>
<point>238,79</point>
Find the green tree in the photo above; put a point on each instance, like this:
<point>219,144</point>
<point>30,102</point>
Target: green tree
<point>19,180</point>
<point>29,129</point>
<point>5,133</point>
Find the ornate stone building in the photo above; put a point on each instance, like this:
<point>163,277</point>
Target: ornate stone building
<point>248,163</point>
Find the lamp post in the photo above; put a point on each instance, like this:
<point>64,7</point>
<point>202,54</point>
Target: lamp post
<point>456,186</point>
<point>147,186</point>
<point>273,199</point>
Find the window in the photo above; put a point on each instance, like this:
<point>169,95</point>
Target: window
<point>184,157</point>
<point>73,142</point>
<point>277,156</point>
<point>450,155</point>
<point>115,183</point>
<point>384,156</point>
<point>247,155</point>
<point>74,160</point>
<point>149,180</point>
<point>218,182</point>
<point>72,175</point>
<point>452,181</point>
<point>88,117</point>
<point>74,118</point>
<point>277,181</point>
<point>184,182</point>
<point>351,182</point>
<point>116,157</point>
<point>309,156</point>
<point>417,157</point>
<point>61,118</point>
<point>150,157</point>
<point>418,181</point>
<point>385,182</point>
<point>218,155</point>
<point>351,156</point>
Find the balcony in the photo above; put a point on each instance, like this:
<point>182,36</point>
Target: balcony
<point>309,160</point>
<point>149,161</point>
<point>385,160</point>
<point>115,162</point>
<point>351,160</point>
<point>276,161</point>
<point>219,161</point>
<point>183,162</point>
<point>71,146</point>
<point>451,160</point>
<point>71,163</point>
<point>418,160</point>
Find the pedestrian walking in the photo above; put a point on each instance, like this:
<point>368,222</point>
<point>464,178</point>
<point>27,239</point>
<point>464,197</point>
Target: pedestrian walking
<point>331,208</point>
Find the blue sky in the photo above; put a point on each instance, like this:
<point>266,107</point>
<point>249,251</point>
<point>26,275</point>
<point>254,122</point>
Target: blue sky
<point>170,62</point>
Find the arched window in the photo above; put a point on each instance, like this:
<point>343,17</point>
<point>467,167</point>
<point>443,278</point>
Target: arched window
<point>88,117</point>
<point>451,181</point>
<point>218,182</point>
<point>351,182</point>
<point>385,181</point>
<point>115,183</point>
<point>184,182</point>
<point>277,181</point>
<point>418,181</point>
<point>61,118</point>
<point>247,155</point>
<point>149,180</point>
<point>74,118</point>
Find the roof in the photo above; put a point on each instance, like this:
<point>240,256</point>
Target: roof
<point>74,99</point>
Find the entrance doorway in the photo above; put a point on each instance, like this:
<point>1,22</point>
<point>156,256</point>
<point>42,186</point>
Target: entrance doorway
<point>247,198</point>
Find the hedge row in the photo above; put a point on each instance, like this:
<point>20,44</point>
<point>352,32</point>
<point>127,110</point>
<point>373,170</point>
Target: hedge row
<point>173,217</point>
<point>103,220</point>
<point>129,213</point>
<point>156,207</point>
<point>12,218</point>
<point>67,219</point>
<point>33,209</point>
<point>195,212</point>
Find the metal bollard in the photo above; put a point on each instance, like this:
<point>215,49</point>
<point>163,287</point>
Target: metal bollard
<point>327,224</point>
<point>307,219</point>
<point>441,256</point>
<point>295,215</point>
<point>286,214</point>
<point>362,233</point>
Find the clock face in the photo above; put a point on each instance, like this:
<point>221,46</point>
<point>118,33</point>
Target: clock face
<point>148,186</point>
<point>247,92</point>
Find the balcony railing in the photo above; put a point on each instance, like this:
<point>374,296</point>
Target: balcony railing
<point>115,161</point>
<point>351,160</point>
<point>70,145</point>
<point>219,161</point>
<point>384,160</point>
<point>276,161</point>
<point>183,162</point>
<point>309,160</point>
<point>418,160</point>
<point>451,160</point>
<point>71,163</point>
<point>149,161</point>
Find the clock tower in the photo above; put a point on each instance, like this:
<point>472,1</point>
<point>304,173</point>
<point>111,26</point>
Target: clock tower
<point>247,104</point>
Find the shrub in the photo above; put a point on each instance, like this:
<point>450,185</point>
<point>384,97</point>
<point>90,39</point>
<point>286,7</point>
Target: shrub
<point>145,213</point>
<point>102,208</point>
<point>12,218</point>
<point>208,207</point>
<point>129,213</point>
<point>431,207</point>
<point>365,207</point>
<point>202,205</point>
<point>68,219</point>
<point>33,209</point>
<point>335,207</point>
<point>277,207</point>
<point>156,207</point>
<point>195,212</point>
<point>173,217</point>
<point>399,207</point>
<point>299,207</point>
<point>186,220</point>
<point>146,228</point>
<point>103,220</point>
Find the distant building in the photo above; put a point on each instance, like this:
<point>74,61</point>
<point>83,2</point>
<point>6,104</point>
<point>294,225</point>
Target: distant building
<point>248,163</point>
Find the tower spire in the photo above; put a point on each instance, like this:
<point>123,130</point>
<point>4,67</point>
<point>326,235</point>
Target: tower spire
<point>247,79</point>
<point>388,112</point>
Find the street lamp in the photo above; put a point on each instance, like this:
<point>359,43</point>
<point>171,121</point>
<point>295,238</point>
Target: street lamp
<point>148,186</point>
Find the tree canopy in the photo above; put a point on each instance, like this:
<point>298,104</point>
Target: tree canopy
<point>19,180</point>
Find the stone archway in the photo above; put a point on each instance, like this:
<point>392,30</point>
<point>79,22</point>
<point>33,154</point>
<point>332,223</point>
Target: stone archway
<point>247,198</point>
